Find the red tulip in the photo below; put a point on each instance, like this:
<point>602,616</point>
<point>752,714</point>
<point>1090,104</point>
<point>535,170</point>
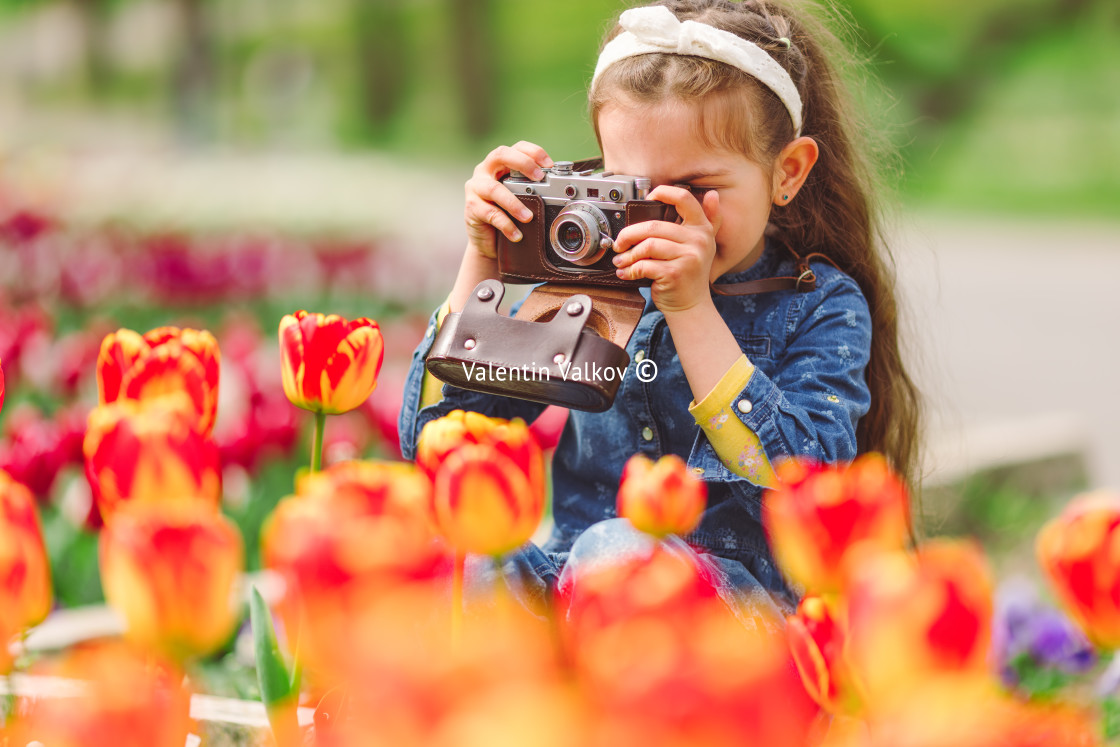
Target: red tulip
<point>1079,552</point>
<point>821,515</point>
<point>166,360</point>
<point>1,385</point>
<point>329,364</point>
<point>444,435</point>
<point>25,575</point>
<point>818,640</point>
<point>663,660</point>
<point>915,618</point>
<point>661,498</point>
<point>149,453</point>
<point>169,570</point>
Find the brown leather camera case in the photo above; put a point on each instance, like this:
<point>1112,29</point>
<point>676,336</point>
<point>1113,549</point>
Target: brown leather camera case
<point>555,351</point>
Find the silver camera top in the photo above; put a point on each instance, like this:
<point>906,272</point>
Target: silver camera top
<point>561,184</point>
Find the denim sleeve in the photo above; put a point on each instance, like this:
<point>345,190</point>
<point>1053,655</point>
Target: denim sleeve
<point>413,418</point>
<point>817,394</point>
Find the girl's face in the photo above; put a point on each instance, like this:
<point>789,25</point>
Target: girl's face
<point>662,141</point>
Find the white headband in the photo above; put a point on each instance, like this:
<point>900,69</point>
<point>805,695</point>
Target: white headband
<point>654,29</point>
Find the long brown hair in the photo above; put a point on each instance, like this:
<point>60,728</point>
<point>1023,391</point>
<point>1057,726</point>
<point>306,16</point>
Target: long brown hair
<point>835,212</point>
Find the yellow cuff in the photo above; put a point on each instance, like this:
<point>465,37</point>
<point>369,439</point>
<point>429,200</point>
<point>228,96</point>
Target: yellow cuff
<point>736,445</point>
<point>725,390</point>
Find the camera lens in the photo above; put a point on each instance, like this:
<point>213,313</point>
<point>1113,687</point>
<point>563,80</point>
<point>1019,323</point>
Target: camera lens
<point>577,234</point>
<point>570,237</point>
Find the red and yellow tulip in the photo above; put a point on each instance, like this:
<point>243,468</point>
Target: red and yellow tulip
<point>1079,552</point>
<point>818,639</point>
<point>124,698</point>
<point>483,500</point>
<point>479,506</point>
<point>913,618</point>
<point>166,360</point>
<point>329,364</point>
<point>169,570</point>
<point>661,497</point>
<point>149,452</point>
<point>665,661</point>
<point>25,577</point>
<point>820,515</point>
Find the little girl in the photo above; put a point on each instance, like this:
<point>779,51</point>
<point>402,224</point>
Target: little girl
<point>738,98</point>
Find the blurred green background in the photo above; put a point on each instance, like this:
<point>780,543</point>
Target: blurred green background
<point>1006,105</point>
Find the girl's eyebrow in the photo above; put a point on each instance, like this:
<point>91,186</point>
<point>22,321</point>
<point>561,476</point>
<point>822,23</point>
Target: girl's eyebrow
<point>698,175</point>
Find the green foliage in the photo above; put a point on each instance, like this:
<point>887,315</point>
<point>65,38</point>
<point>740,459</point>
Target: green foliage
<point>72,551</point>
<point>279,688</point>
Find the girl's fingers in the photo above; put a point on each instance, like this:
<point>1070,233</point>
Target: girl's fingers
<point>655,248</point>
<point>688,208</point>
<point>505,158</point>
<point>480,211</point>
<point>633,235</point>
<point>496,193</point>
<point>534,151</point>
<point>649,269</point>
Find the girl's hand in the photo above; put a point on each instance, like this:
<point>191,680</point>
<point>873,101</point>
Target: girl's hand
<point>489,203</point>
<point>677,257</point>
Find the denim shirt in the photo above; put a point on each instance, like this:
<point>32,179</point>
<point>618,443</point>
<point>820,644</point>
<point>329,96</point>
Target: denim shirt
<point>805,397</point>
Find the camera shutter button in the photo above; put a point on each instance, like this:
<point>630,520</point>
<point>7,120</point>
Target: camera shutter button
<point>606,243</point>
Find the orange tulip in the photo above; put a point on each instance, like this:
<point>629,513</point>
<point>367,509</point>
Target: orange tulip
<point>912,619</point>
<point>663,659</point>
<point>329,365</point>
<point>149,452</point>
<point>661,498</point>
<point>169,570</point>
<point>121,698</point>
<point>25,576</point>
<point>163,361</point>
<point>818,639</point>
<point>820,515</point>
<point>483,500</point>
<point>353,520</point>
<point>1079,552</point>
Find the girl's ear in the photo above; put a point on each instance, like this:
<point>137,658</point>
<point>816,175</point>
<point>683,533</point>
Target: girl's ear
<point>792,167</point>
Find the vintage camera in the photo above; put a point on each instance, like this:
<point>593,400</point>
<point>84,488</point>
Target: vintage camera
<point>577,215</point>
<point>580,316</point>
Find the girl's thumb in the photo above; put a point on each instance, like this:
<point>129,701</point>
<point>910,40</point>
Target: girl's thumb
<point>710,203</point>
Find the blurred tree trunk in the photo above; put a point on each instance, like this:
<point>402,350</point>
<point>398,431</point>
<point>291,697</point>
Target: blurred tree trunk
<point>97,70</point>
<point>193,79</point>
<point>383,60</point>
<point>473,45</point>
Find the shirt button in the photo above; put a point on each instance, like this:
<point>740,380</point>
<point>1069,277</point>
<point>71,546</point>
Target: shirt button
<point>745,406</point>
<point>647,433</point>
<point>431,330</point>
<point>697,470</point>
<point>640,356</point>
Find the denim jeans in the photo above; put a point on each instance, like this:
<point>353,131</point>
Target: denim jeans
<point>532,575</point>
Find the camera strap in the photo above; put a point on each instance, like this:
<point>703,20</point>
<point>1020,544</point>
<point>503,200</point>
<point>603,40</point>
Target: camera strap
<point>803,282</point>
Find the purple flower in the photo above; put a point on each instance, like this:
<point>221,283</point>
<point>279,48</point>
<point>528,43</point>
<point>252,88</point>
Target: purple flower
<point>1025,627</point>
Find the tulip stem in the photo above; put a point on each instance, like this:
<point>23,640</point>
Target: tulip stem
<point>317,441</point>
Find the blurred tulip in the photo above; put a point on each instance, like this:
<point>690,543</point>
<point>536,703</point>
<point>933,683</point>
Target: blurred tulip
<point>484,502</point>
<point>664,661</point>
<point>821,514</point>
<point>354,534</point>
<point>818,640</point>
<point>35,448</point>
<point>25,575</point>
<point>1,385</point>
<point>163,361</point>
<point>329,365</point>
<point>1029,635</point>
<point>548,428</point>
<point>912,619</point>
<point>118,697</point>
<point>149,453</point>
<point>169,570</point>
<point>1079,552</point>
<point>661,497</point>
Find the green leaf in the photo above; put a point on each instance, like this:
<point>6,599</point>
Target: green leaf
<point>279,691</point>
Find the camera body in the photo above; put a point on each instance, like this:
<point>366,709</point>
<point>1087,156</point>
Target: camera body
<point>577,215</point>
